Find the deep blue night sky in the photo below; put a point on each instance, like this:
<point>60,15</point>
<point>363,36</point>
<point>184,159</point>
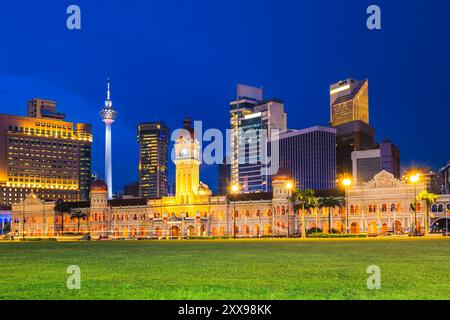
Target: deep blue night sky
<point>172,58</point>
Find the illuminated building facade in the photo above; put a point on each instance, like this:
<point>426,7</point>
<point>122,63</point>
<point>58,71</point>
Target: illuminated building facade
<point>247,98</point>
<point>153,139</point>
<point>349,101</point>
<point>192,212</point>
<point>383,206</point>
<point>45,155</point>
<point>349,115</point>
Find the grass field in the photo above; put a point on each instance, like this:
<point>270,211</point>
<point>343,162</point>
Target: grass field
<point>227,269</point>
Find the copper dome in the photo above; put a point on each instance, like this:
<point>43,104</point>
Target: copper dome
<point>99,186</point>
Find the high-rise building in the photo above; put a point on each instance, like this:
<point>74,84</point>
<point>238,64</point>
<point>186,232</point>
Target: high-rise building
<point>310,156</point>
<point>255,131</point>
<point>349,115</point>
<point>153,139</point>
<point>368,163</point>
<point>445,177</point>
<point>224,177</point>
<point>349,101</point>
<point>108,115</point>
<point>247,98</point>
<point>44,154</point>
<point>46,109</point>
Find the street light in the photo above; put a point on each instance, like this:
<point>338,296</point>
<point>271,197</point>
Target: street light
<point>289,188</point>
<point>234,190</point>
<point>414,179</point>
<point>346,182</point>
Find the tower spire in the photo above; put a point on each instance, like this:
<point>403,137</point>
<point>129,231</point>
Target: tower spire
<point>108,102</point>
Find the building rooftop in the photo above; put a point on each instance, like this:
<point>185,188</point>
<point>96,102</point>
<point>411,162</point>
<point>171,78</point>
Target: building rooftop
<point>352,94</point>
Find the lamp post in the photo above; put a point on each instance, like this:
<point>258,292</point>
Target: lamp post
<point>414,179</point>
<point>234,190</point>
<point>346,183</point>
<point>288,188</point>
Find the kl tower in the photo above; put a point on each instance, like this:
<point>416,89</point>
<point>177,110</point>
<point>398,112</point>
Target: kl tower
<point>108,115</point>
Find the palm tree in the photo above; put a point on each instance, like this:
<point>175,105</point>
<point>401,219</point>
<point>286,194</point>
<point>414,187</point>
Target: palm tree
<point>78,215</point>
<point>430,199</point>
<point>307,199</point>
<point>61,208</point>
<point>329,203</point>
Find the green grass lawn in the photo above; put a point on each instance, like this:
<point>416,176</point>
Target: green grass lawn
<point>227,269</point>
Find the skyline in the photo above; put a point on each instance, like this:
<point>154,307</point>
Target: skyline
<point>149,70</point>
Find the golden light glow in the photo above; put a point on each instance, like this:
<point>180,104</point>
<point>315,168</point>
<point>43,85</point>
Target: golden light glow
<point>235,188</point>
<point>289,185</point>
<point>414,178</point>
<point>346,182</point>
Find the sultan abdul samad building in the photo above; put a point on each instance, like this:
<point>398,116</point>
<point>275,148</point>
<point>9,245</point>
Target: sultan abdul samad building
<point>378,207</point>
<point>193,211</point>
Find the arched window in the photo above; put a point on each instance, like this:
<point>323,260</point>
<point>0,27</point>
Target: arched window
<point>352,209</point>
<point>247,214</point>
<point>135,216</point>
<point>441,207</point>
<point>370,208</point>
<point>393,208</point>
<point>236,214</point>
<point>283,210</point>
<point>269,213</point>
<point>383,207</point>
<point>434,208</point>
<point>357,209</point>
<point>258,213</point>
<point>399,207</point>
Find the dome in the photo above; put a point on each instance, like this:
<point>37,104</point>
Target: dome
<point>282,174</point>
<point>99,186</point>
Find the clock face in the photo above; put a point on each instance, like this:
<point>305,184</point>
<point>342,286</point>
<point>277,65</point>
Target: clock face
<point>183,152</point>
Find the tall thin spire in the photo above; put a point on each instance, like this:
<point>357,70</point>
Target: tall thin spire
<point>108,102</point>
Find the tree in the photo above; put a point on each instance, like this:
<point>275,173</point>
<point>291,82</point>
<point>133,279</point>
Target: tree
<point>329,203</point>
<point>307,199</point>
<point>429,199</point>
<point>61,208</point>
<point>78,215</point>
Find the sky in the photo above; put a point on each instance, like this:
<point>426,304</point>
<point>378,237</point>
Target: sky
<point>169,59</point>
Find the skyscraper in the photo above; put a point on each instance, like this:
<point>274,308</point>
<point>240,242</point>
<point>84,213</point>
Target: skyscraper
<point>44,154</point>
<point>108,115</point>
<point>310,156</point>
<point>255,132</point>
<point>153,139</point>
<point>349,115</point>
<point>445,176</point>
<point>247,98</point>
<point>224,176</point>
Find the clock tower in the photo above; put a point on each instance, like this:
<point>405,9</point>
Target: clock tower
<point>187,162</point>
